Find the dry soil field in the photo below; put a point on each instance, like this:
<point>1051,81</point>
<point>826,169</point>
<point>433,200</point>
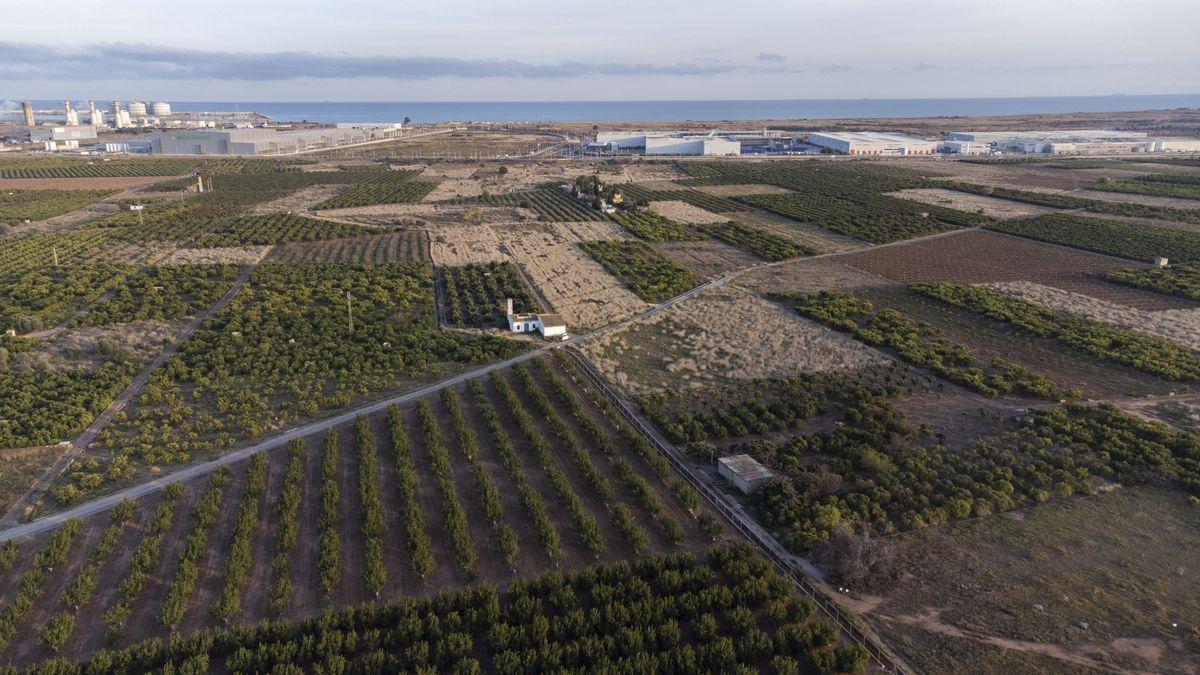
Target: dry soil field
<point>963,201</point>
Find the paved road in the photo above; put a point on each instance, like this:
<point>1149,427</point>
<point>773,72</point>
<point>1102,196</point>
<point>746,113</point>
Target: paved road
<point>102,503</point>
<point>81,443</point>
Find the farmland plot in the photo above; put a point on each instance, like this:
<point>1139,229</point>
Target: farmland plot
<point>706,259</point>
<point>705,340</point>
<point>404,246</point>
<point>991,206</point>
<point>1178,325</point>
<point>276,228</point>
<point>239,255</point>
<point>574,284</point>
<point>473,461</point>
<point>18,206</point>
<point>463,245</point>
<point>685,213</point>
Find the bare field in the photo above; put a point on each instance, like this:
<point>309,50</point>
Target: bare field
<point>455,188</point>
<point>707,259</point>
<point>1178,325</point>
<point>1149,200</point>
<point>720,336</point>
<point>300,200</point>
<point>1099,583</point>
<point>646,172</point>
<point>818,238</point>
<point>245,255</point>
<point>686,213</point>
<point>575,285</point>
<point>19,468</point>
<point>972,203</point>
<point>738,190</point>
<point>1006,175</point>
<point>809,276</point>
<point>982,257</point>
<point>460,245</point>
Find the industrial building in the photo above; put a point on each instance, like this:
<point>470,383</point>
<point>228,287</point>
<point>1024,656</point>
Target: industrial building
<point>744,472</point>
<point>657,145</point>
<point>267,141</point>
<point>872,143</point>
<point>668,142</point>
<point>73,132</point>
<point>1075,141</point>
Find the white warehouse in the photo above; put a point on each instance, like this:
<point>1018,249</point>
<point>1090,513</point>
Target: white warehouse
<point>692,146</point>
<point>669,142</point>
<point>872,143</point>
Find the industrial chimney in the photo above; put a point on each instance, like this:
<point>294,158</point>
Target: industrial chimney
<point>117,122</point>
<point>92,113</point>
<point>27,108</point>
<point>72,117</point>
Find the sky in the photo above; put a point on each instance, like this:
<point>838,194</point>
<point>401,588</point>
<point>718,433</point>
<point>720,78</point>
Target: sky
<point>566,50</point>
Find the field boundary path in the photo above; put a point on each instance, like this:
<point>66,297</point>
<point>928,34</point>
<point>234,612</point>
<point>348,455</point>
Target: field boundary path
<point>748,526</point>
<point>81,442</point>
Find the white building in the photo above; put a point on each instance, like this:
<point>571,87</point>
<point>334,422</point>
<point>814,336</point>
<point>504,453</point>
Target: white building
<point>160,109</point>
<point>872,143</point>
<point>744,472</point>
<point>963,148</point>
<point>549,325</point>
<point>670,142</point>
<point>656,145</point>
<point>74,132</point>
<point>1075,141</point>
<point>266,141</point>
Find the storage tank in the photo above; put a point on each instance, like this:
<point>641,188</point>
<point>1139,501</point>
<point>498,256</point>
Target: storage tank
<point>160,108</point>
<point>137,109</point>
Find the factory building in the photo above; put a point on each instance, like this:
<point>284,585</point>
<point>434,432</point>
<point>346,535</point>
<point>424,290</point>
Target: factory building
<point>657,145</point>
<point>1075,141</point>
<point>137,109</point>
<point>668,142</point>
<point>259,141</point>
<point>963,148</point>
<point>27,111</point>
<point>74,132</point>
<point>160,109</point>
<point>872,143</point>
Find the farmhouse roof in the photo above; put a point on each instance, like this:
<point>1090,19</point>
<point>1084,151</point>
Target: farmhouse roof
<point>551,320</point>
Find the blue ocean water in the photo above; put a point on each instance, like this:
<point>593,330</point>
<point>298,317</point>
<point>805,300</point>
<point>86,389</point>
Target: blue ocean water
<point>665,111</point>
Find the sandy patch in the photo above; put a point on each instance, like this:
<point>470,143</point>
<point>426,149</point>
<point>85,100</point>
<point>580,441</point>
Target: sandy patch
<point>720,335</point>
<point>686,213</point>
<point>245,255</point>
<point>1178,325</point>
<point>972,203</point>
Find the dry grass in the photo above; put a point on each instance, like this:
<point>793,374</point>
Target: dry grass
<point>465,244</point>
<point>1096,584</point>
<point>20,468</point>
<point>300,200</point>
<point>720,336</point>
<point>1178,325</point>
<point>706,259</point>
<point>816,237</point>
<point>242,255</point>
<point>991,206</point>
<point>76,347</point>
<point>737,190</point>
<point>575,285</point>
<point>454,188</point>
<point>686,213</point>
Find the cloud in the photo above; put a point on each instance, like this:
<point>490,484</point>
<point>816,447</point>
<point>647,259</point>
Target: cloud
<point>770,57</point>
<point>139,61</point>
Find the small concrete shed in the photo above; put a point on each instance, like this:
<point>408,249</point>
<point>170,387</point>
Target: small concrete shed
<point>743,471</point>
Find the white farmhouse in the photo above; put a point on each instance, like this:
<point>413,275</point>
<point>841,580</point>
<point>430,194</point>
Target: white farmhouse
<point>549,325</point>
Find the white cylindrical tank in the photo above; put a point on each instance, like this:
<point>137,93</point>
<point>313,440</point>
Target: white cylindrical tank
<point>160,108</point>
<point>137,109</point>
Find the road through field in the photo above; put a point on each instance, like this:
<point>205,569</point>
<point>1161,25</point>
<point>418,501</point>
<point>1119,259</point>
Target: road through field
<point>80,444</point>
<point>11,530</point>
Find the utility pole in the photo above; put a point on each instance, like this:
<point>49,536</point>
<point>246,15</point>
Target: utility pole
<point>54,250</point>
<point>349,313</point>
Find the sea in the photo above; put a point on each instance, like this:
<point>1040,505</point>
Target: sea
<point>667,111</point>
